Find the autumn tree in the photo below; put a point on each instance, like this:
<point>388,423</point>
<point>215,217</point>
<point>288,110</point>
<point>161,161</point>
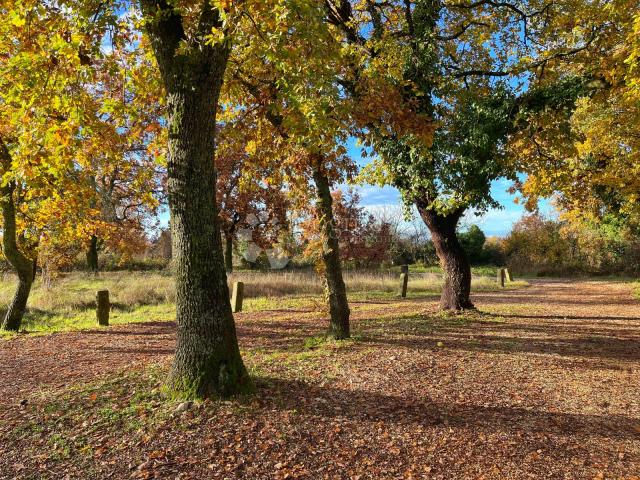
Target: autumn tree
<point>122,151</point>
<point>447,60</point>
<point>586,155</point>
<point>309,110</point>
<point>304,108</point>
<point>43,69</point>
<point>191,42</point>
<point>363,240</point>
<point>250,194</point>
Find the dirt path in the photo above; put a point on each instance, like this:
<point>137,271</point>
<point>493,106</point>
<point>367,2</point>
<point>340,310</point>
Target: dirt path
<point>544,382</point>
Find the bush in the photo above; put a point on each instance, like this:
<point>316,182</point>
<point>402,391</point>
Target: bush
<point>472,242</point>
<point>547,247</point>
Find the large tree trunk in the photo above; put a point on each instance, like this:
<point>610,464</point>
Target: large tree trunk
<point>21,264</point>
<point>92,254</point>
<point>457,270</point>
<point>228,252</point>
<point>207,360</point>
<point>335,289</point>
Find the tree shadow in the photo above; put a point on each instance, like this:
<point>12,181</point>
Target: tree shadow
<point>588,344</point>
<point>538,298</point>
<point>373,406</point>
<point>560,318</point>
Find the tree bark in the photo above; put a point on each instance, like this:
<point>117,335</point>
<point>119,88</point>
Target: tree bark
<point>335,289</point>
<point>228,252</point>
<point>21,264</point>
<point>92,254</point>
<point>207,360</point>
<point>34,269</point>
<point>457,269</point>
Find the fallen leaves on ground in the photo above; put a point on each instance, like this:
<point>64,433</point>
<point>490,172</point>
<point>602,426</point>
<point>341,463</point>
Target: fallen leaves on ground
<point>540,382</point>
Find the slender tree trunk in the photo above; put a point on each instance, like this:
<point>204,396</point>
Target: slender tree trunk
<point>207,360</point>
<point>457,270</point>
<point>92,254</point>
<point>335,289</point>
<point>228,252</point>
<point>21,264</point>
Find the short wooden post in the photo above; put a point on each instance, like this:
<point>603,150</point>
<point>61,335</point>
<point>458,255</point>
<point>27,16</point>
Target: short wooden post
<point>102,307</point>
<point>500,277</point>
<point>404,280</point>
<point>236,296</point>
<point>404,269</point>
<point>507,275</point>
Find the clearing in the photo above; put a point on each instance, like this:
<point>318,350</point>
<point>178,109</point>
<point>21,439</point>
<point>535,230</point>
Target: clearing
<point>541,382</point>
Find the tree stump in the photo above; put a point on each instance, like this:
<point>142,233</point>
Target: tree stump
<point>404,280</point>
<point>103,307</point>
<point>500,277</point>
<point>237,296</point>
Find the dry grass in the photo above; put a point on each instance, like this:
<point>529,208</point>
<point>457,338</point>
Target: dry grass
<point>277,284</point>
<point>77,291</point>
<point>69,302</point>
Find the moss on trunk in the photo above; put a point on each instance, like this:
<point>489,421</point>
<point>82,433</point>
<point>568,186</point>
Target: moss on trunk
<point>335,289</point>
<point>207,360</point>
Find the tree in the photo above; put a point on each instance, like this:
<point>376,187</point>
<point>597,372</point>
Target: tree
<point>472,242</point>
<point>249,195</point>
<point>363,240</point>
<point>191,45</point>
<point>447,60</point>
<point>306,110</point>
<point>121,152</point>
<point>586,154</point>
<point>42,109</point>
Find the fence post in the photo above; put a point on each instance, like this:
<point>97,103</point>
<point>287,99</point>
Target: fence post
<point>507,275</point>
<point>500,277</point>
<point>404,280</point>
<point>236,296</point>
<point>103,306</point>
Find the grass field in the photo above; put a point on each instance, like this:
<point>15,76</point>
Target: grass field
<point>69,302</point>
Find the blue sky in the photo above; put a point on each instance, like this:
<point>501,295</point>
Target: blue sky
<point>495,222</point>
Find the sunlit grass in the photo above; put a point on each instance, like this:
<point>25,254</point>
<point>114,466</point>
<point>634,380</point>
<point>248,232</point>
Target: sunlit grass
<point>68,303</point>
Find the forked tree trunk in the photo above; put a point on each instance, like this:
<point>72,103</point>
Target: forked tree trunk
<point>457,270</point>
<point>207,360</point>
<point>228,252</point>
<point>92,254</point>
<point>21,264</point>
<point>335,289</point>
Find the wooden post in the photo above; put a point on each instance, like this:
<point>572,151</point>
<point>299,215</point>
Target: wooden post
<point>103,306</point>
<point>236,296</point>
<point>507,275</point>
<point>404,280</point>
<point>404,269</point>
<point>500,277</point>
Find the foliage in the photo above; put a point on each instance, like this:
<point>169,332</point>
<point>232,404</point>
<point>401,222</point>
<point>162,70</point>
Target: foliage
<point>249,194</point>
<point>550,247</point>
<point>587,153</point>
<point>364,241</point>
<point>472,241</point>
<point>77,128</point>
